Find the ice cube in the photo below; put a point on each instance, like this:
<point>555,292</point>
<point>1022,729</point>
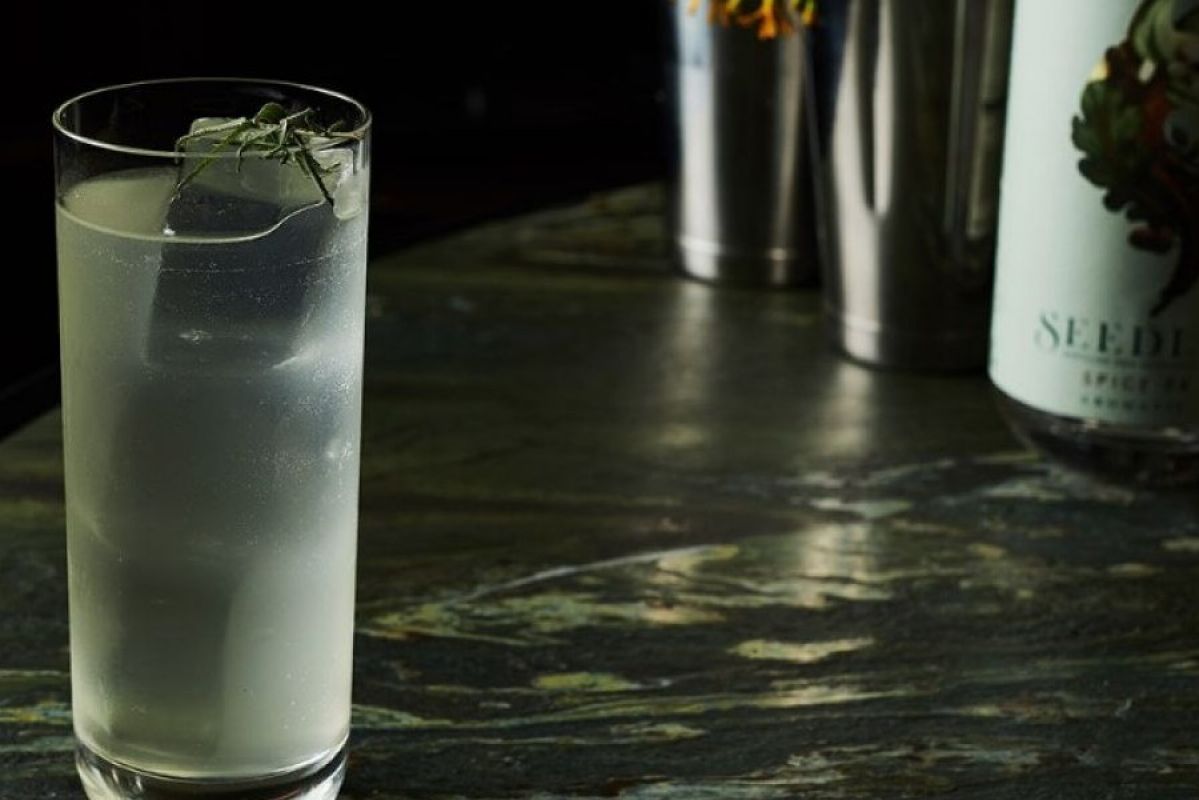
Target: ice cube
<point>233,289</point>
<point>251,176</point>
<point>350,194</point>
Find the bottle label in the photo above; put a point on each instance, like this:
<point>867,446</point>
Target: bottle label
<point>1097,279</point>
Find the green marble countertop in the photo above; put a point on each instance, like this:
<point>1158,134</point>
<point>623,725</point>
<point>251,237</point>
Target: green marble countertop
<point>625,536</point>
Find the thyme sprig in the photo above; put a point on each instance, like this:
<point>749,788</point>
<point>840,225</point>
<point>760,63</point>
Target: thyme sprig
<point>271,133</point>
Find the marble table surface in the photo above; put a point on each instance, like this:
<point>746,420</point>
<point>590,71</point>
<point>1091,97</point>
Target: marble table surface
<point>627,536</point>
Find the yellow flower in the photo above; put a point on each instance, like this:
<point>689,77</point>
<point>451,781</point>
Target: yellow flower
<point>807,11</point>
<point>770,17</point>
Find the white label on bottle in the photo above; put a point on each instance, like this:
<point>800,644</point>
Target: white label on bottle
<point>1096,308</point>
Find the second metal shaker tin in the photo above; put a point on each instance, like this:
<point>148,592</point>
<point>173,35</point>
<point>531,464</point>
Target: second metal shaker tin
<point>911,97</point>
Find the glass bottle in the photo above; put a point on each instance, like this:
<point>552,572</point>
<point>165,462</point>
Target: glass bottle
<point>1095,333</point>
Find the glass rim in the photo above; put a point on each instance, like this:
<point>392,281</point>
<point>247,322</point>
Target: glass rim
<point>56,118</point>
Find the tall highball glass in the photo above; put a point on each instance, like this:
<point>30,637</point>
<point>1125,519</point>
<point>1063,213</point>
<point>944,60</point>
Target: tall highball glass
<point>211,270</point>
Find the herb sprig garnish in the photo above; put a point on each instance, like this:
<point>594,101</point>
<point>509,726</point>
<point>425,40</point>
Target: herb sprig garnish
<point>271,133</point>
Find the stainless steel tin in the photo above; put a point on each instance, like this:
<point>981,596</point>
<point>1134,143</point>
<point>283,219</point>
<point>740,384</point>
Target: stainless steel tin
<point>911,97</point>
<point>742,196</point>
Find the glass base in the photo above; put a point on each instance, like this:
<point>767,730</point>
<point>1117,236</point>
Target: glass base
<point>104,780</point>
<point>1161,458</point>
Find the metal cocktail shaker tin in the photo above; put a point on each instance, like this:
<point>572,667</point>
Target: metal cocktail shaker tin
<point>742,208</point>
<point>911,96</point>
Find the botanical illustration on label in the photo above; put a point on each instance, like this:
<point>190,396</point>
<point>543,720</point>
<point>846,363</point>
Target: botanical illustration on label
<point>1139,136</point>
<point>1097,280</point>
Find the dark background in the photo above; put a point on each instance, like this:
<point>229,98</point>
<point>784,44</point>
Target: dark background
<point>482,109</point>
